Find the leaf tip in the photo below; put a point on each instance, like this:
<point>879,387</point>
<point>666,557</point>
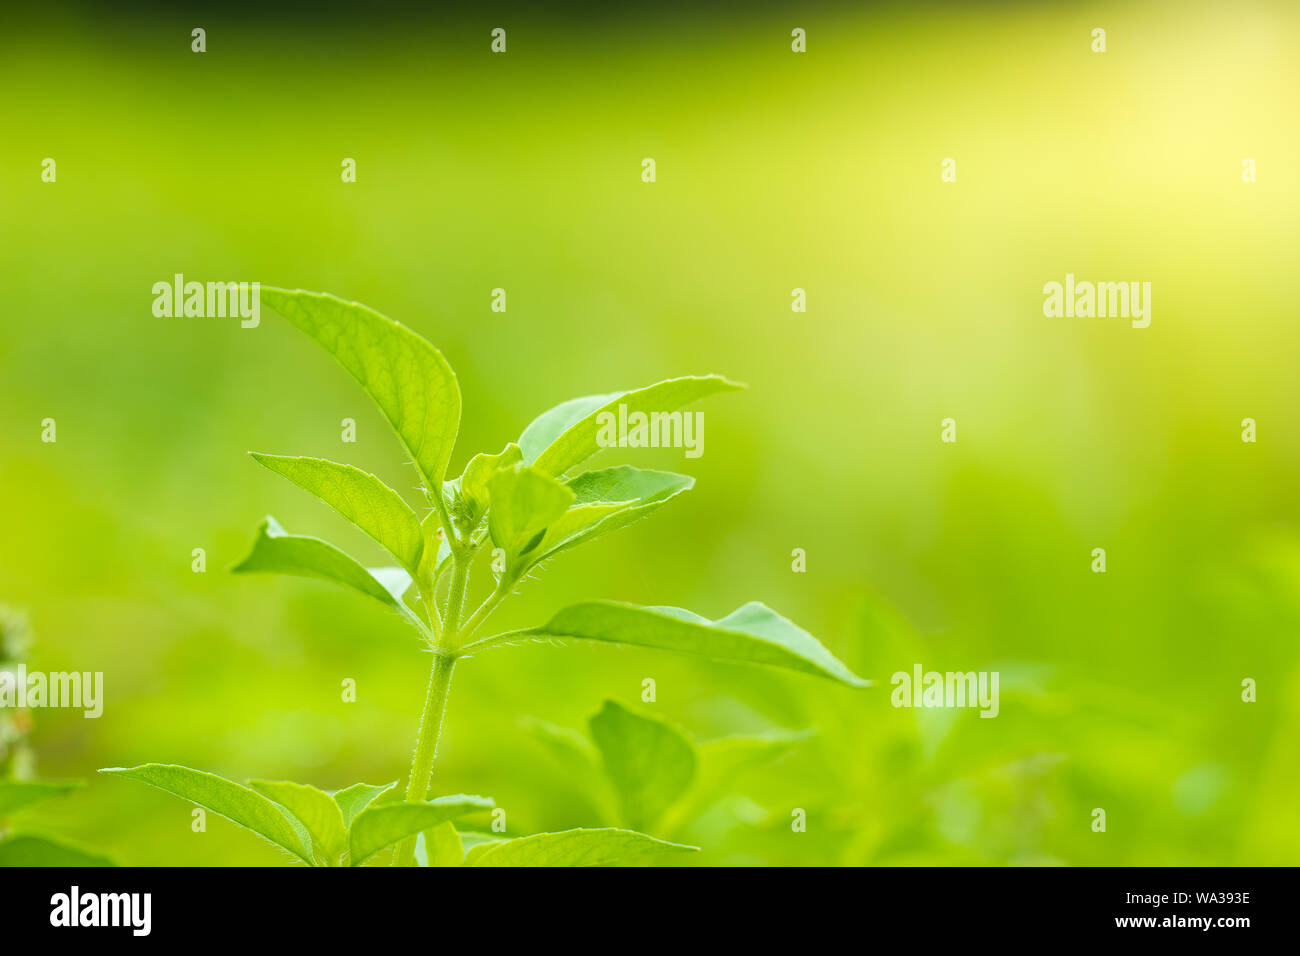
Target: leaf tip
<point>264,530</point>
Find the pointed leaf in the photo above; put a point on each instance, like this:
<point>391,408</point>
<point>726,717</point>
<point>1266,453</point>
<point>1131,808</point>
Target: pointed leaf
<point>566,435</point>
<point>598,847</point>
<point>625,483</point>
<point>275,550</point>
<point>352,800</point>
<point>235,802</point>
<point>566,530</point>
<point>380,827</point>
<point>753,634</point>
<point>614,498</point>
<point>403,374</point>
<point>649,762</point>
<point>315,810</point>
<point>16,794</point>
<point>554,422</point>
<point>359,497</point>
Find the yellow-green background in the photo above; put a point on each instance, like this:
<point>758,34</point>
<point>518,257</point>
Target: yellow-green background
<point>775,171</point>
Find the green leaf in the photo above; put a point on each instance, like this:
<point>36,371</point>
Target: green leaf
<point>612,498</point>
<point>16,794</point>
<point>403,374</point>
<point>352,800</point>
<point>566,530</point>
<point>599,847</point>
<point>625,483</point>
<point>380,827</point>
<point>442,846</point>
<point>566,435</point>
<point>315,810</point>
<point>524,502</point>
<point>752,634</point>
<point>473,482</point>
<point>543,430</point>
<point>359,497</point>
<point>235,802</point>
<point>649,762</point>
<point>28,850</point>
<point>275,550</point>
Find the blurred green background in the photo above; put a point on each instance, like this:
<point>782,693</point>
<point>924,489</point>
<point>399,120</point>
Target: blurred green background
<point>775,170</point>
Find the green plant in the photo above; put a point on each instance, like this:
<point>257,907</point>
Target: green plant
<point>530,502</point>
<point>643,772</point>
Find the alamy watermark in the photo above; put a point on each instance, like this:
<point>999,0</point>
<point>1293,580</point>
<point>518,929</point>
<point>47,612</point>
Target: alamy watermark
<point>1087,300</point>
<point>23,689</point>
<point>923,688</point>
<point>214,300</point>
<point>651,430</point>
<point>75,908</point>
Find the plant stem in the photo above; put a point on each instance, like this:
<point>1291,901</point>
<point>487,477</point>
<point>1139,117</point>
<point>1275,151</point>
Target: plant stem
<point>426,745</point>
<point>489,605</point>
<point>435,701</point>
<point>456,596</point>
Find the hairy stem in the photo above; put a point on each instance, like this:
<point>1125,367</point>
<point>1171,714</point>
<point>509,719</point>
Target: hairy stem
<point>426,745</point>
<point>456,597</point>
<point>483,643</point>
<point>435,701</point>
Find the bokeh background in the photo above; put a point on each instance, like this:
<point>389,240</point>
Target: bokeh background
<point>775,170</point>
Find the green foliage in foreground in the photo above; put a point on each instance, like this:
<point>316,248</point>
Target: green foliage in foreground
<point>348,826</point>
<point>525,504</point>
<point>30,849</point>
<point>649,774</point>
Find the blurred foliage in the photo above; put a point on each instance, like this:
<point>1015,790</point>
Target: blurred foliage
<point>820,171</point>
<point>15,723</point>
<point>18,789</point>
